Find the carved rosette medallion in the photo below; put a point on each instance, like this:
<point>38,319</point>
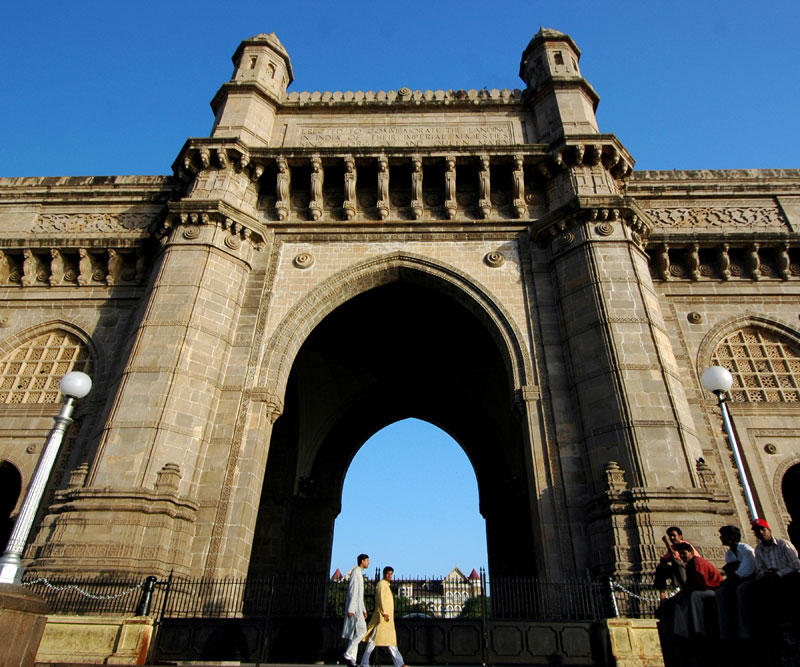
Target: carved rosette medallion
<point>694,317</point>
<point>495,259</point>
<point>566,238</point>
<point>232,242</point>
<point>304,260</point>
<point>191,233</point>
<point>604,229</point>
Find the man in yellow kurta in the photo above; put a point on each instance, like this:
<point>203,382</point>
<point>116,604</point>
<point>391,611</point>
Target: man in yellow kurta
<point>380,630</point>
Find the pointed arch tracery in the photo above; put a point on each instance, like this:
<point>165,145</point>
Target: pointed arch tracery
<point>33,362</point>
<point>763,358</point>
<point>333,292</point>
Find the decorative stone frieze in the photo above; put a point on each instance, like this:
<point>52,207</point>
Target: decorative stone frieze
<point>718,217</point>
<point>106,223</point>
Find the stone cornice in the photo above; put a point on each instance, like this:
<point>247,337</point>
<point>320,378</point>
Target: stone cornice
<point>76,190</point>
<point>242,87</point>
<point>140,501</point>
<point>559,83</point>
<point>707,182</point>
<point>640,499</point>
<point>403,97</point>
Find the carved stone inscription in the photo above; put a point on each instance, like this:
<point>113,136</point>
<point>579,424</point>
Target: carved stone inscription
<point>497,134</point>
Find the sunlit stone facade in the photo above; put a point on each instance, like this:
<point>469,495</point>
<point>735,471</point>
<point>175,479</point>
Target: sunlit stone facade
<point>327,263</point>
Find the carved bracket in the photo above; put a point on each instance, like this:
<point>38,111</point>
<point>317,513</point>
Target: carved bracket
<point>602,216</point>
<point>192,215</point>
<point>710,259</point>
<point>82,266</point>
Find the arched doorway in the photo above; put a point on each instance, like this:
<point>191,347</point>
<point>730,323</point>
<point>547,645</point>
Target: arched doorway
<point>402,349</point>
<point>10,488</point>
<point>425,521</point>
<point>790,487</point>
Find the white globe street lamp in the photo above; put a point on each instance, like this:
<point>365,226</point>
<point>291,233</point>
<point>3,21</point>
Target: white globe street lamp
<point>73,385</point>
<point>718,380</point>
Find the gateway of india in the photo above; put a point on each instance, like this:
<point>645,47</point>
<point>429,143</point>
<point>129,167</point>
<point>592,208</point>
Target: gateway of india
<point>325,264</point>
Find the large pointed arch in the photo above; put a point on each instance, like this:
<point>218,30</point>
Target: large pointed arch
<point>394,337</point>
<point>336,290</point>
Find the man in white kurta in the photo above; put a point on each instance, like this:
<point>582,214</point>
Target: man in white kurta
<point>355,619</point>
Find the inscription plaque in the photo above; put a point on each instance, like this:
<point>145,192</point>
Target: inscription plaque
<point>496,134</point>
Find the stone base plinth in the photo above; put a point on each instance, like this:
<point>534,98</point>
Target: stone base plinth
<point>109,640</point>
<point>634,642</point>
<point>22,622</point>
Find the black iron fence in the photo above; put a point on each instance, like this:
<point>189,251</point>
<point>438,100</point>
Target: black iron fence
<point>497,598</point>
<point>84,595</point>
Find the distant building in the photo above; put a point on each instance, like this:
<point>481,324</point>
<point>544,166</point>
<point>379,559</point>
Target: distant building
<point>443,598</point>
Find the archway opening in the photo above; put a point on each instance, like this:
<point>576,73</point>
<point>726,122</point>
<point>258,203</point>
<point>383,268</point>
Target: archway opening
<point>790,487</point>
<point>410,500</point>
<point>10,488</point>
<point>406,349</point>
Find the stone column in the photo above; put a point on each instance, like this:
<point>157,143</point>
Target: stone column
<point>630,397</point>
<point>139,506</point>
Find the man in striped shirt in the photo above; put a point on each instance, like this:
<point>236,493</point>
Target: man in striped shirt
<point>775,557</point>
<point>771,598</point>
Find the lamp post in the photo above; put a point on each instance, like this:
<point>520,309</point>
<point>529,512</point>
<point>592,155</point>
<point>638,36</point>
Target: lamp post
<point>718,380</point>
<point>73,385</point>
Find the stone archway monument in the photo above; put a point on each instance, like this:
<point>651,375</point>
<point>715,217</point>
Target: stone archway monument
<point>334,262</point>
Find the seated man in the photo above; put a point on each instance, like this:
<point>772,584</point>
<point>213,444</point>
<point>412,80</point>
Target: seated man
<point>702,579</point>
<point>670,566</point>
<point>772,596</point>
<point>740,566</point>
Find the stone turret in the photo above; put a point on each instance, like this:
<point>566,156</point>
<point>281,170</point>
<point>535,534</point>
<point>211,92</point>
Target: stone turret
<point>245,107</point>
<point>564,103</point>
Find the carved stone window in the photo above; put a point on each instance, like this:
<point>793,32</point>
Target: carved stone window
<point>764,366</point>
<point>31,373</point>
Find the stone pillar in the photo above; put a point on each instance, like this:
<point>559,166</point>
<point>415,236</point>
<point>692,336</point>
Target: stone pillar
<point>138,509</point>
<point>631,402</point>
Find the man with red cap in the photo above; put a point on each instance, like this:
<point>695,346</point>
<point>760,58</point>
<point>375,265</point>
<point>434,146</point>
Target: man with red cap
<point>775,557</point>
<point>777,580</point>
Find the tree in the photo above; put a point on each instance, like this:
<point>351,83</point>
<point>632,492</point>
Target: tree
<point>473,607</point>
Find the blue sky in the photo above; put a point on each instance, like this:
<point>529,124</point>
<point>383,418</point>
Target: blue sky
<point>103,88</point>
<point>429,523</point>
<point>116,87</point>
